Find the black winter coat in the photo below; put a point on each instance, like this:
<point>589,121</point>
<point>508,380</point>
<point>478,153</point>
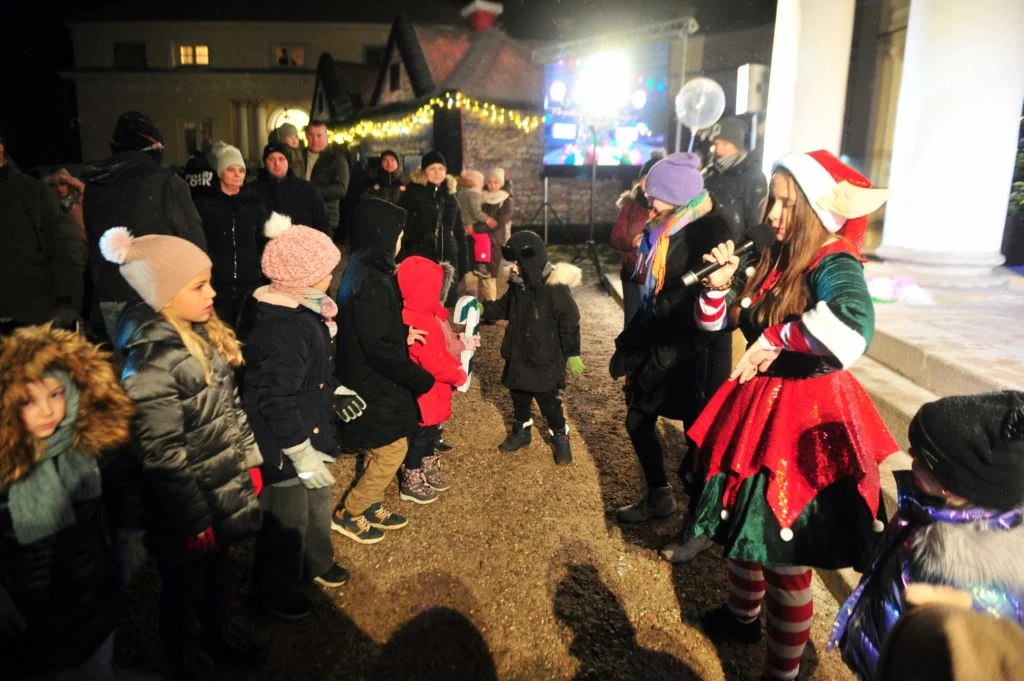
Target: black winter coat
<point>234,240</point>
<point>739,193</point>
<point>288,385</point>
<point>673,367</point>
<point>192,439</point>
<point>294,197</point>
<point>543,331</point>
<point>330,175</point>
<point>372,355</point>
<point>131,190</point>
<point>385,186</point>
<point>433,226</point>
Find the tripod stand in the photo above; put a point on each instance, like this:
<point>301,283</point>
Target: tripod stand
<point>590,246</point>
<point>543,209</point>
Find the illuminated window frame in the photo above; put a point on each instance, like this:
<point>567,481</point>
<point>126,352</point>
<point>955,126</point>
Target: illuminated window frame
<point>193,55</point>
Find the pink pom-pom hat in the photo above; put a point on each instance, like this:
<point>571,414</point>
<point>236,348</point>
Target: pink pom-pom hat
<point>297,256</point>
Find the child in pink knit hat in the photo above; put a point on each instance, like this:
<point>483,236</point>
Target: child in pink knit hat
<point>290,396</point>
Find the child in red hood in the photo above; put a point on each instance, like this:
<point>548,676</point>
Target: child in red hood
<point>424,284</point>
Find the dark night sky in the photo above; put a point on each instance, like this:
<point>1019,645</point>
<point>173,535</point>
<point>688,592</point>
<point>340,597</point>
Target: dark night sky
<point>38,105</point>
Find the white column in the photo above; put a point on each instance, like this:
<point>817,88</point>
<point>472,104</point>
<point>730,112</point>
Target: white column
<point>807,86</point>
<point>242,127</point>
<point>261,128</point>
<point>955,140</point>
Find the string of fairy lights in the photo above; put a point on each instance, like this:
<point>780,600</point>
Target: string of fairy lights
<point>486,112</point>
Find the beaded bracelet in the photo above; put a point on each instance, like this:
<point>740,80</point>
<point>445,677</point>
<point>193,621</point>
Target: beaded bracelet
<point>706,283</point>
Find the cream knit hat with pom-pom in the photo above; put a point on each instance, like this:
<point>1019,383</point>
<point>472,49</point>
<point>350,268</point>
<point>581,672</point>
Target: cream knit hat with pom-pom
<point>157,266</point>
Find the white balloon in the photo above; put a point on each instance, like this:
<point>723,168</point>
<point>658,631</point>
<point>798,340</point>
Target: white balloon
<point>700,103</point>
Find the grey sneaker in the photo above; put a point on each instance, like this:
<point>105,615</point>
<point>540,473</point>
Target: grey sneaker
<point>412,486</point>
<point>686,546</point>
<point>434,475</point>
<point>659,503</point>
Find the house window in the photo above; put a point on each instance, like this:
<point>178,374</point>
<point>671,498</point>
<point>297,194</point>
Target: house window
<point>198,135</point>
<point>289,56</point>
<point>396,76</point>
<point>129,55</point>
<point>374,55</point>
<point>193,55</point>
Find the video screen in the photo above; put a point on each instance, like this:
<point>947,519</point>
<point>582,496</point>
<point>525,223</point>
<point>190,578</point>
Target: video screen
<point>622,94</point>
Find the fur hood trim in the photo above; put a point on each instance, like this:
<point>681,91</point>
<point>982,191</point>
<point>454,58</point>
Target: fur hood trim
<point>970,553</point>
<point>104,410</point>
<point>449,279</point>
<point>499,197</point>
<point>628,195</point>
<point>565,274</point>
<point>420,177</point>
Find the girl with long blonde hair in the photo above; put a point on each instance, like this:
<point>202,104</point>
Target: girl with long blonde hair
<point>197,452</point>
<point>790,445</point>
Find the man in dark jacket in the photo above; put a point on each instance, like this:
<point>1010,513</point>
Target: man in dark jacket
<point>373,360</point>
<point>42,255</point>
<point>386,181</point>
<point>282,192</point>
<point>327,168</point>
<point>735,181</point>
<point>132,190</point>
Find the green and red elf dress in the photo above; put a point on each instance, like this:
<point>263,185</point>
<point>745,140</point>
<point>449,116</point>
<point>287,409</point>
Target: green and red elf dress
<point>792,455</point>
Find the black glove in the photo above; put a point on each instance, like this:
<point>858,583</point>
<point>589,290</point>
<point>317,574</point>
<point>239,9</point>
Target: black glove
<point>618,366</point>
<point>67,318</point>
<point>347,404</point>
<point>11,621</point>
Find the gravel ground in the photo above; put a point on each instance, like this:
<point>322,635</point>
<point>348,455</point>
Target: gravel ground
<point>518,572</point>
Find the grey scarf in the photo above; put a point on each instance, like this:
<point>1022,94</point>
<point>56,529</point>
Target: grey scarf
<point>42,503</point>
<point>723,163</point>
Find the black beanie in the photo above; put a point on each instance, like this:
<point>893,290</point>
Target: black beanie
<point>279,147</point>
<point>432,157</point>
<point>393,154</point>
<point>135,132</point>
<point>974,444</point>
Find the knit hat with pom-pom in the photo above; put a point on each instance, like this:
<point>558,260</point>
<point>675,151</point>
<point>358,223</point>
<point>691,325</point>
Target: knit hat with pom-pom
<point>297,256</point>
<point>157,266</point>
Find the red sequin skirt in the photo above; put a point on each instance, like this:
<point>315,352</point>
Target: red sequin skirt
<point>806,432</point>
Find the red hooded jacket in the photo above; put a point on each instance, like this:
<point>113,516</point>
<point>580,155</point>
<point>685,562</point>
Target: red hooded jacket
<point>420,280</point>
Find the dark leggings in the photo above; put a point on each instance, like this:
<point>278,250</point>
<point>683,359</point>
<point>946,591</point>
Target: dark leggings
<point>421,444</point>
<point>550,406</point>
<point>642,430</point>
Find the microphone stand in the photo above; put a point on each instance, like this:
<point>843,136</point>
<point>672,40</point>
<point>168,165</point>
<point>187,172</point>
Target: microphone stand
<point>591,245</point>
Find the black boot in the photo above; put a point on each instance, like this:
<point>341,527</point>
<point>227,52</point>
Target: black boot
<point>560,443</point>
<point>721,624</point>
<point>519,437</point>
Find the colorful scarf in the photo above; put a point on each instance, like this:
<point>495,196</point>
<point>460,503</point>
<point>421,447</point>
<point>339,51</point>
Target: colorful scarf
<point>315,300</point>
<point>652,254</point>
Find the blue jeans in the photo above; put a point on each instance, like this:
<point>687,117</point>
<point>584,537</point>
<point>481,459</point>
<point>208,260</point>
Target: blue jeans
<point>630,299</point>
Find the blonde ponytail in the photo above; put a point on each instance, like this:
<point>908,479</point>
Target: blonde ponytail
<point>222,340</point>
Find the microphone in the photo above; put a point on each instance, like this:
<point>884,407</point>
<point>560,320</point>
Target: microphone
<point>759,237</point>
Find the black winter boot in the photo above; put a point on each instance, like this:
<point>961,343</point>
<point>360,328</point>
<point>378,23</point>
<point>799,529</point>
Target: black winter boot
<point>560,443</point>
<point>519,437</point>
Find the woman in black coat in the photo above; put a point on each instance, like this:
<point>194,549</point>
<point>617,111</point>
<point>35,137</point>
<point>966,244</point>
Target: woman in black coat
<point>433,226</point>
<point>672,368</point>
<point>233,219</point>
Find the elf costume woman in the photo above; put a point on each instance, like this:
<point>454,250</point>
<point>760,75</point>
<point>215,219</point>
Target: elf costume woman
<point>791,444</point>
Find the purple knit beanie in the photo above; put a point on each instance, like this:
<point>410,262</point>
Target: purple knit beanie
<point>676,179</point>
<point>297,256</point>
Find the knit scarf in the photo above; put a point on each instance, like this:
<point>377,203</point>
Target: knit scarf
<point>652,254</point>
<point>315,300</point>
<point>723,163</point>
<point>42,502</point>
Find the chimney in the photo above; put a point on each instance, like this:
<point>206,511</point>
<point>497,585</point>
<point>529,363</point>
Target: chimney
<point>482,14</point>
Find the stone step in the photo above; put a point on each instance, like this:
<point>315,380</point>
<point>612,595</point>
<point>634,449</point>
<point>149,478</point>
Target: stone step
<point>896,397</point>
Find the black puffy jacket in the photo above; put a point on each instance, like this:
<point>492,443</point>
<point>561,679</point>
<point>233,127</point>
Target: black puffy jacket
<point>433,226</point>
<point>288,385</point>
<point>192,439</point>
<point>294,197</point>
<point>234,240</point>
<point>673,366</point>
<point>543,320</point>
<point>131,190</point>
<point>372,355</point>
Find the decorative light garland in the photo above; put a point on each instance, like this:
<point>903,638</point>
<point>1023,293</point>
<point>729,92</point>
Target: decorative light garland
<point>490,114</point>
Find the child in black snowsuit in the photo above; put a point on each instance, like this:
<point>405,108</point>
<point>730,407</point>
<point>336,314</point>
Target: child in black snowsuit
<point>542,338</point>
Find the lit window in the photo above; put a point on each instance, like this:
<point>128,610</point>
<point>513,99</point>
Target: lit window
<point>289,56</point>
<point>194,55</point>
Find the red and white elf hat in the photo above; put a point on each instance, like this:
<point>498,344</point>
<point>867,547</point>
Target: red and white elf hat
<point>841,197</point>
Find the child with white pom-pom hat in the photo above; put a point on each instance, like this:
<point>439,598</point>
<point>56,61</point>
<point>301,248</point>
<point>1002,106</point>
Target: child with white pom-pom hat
<point>199,457</point>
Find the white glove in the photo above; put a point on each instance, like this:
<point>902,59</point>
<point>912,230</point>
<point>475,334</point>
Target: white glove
<point>347,404</point>
<point>309,464</point>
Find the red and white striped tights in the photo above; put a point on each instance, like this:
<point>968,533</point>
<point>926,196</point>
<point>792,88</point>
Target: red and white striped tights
<point>790,610</point>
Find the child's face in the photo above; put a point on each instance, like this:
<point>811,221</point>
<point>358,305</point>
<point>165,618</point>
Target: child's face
<point>194,303</point>
<point>323,284</point>
<point>516,269</point>
<point>930,485</point>
<point>44,407</point>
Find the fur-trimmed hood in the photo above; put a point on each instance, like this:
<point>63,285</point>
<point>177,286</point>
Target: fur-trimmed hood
<point>420,177</point>
<point>564,273</point>
<point>104,411</point>
<point>977,552</point>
